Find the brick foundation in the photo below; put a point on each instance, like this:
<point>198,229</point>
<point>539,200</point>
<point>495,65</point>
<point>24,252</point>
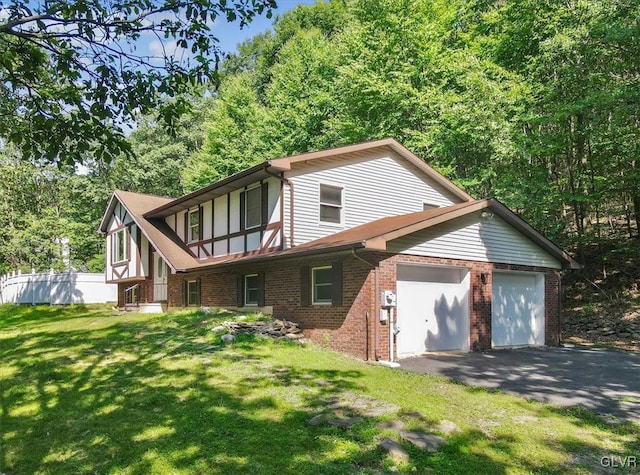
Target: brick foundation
<point>354,326</point>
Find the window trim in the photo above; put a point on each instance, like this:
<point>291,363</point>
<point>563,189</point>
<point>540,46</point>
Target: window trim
<point>333,205</point>
<point>197,292</point>
<point>245,289</point>
<point>314,300</point>
<point>246,207</point>
<point>115,247</point>
<point>190,234</point>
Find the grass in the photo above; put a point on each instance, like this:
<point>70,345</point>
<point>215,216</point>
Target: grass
<point>83,391</point>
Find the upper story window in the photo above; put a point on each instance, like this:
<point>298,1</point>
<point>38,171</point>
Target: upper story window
<point>253,208</point>
<point>120,243</point>
<point>194,225</point>
<point>331,204</point>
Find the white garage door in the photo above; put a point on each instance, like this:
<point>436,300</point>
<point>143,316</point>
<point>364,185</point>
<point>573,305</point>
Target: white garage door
<point>517,309</point>
<point>433,309</point>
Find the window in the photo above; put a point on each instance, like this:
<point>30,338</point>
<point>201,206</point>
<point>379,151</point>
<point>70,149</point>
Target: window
<point>251,286</point>
<point>427,206</point>
<point>120,243</point>
<point>193,292</point>
<point>253,208</point>
<point>330,204</point>
<point>321,284</point>
<point>194,225</point>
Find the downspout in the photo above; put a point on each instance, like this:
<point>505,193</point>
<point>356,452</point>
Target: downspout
<point>375,308</point>
<point>289,183</point>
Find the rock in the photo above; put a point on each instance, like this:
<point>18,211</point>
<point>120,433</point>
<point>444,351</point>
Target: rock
<point>241,318</point>
<point>415,414</point>
<point>218,329</point>
<point>228,338</point>
<point>344,422</point>
<point>294,336</point>
<point>395,425</point>
<point>428,442</point>
<point>394,450</point>
<point>205,310</point>
<point>206,361</point>
<point>381,410</point>
<point>448,427</point>
<point>317,420</point>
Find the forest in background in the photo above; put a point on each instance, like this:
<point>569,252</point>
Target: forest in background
<point>536,103</point>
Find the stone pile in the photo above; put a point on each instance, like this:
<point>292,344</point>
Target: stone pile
<point>276,329</point>
<point>604,329</point>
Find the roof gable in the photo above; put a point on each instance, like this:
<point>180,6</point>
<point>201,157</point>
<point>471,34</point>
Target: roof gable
<point>284,164</point>
<point>161,237</point>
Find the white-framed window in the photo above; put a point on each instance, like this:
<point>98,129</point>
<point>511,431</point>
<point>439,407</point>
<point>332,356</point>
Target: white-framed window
<point>120,243</point>
<point>194,225</point>
<point>427,206</point>
<point>322,285</point>
<point>193,292</point>
<point>251,286</point>
<point>331,204</point>
<point>253,208</point>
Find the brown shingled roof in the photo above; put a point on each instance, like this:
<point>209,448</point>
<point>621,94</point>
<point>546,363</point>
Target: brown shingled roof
<point>161,236</point>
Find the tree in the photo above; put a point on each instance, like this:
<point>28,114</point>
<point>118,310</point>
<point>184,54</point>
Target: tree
<point>72,80</point>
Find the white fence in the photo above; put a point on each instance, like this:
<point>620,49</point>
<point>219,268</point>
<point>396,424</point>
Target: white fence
<point>56,289</point>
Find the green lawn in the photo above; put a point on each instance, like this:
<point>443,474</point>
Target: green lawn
<point>83,391</point>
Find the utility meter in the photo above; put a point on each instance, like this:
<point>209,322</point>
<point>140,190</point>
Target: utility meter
<point>388,298</point>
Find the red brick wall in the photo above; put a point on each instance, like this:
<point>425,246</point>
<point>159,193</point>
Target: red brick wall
<point>344,328</point>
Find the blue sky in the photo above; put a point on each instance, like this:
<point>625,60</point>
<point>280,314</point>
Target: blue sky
<point>230,34</point>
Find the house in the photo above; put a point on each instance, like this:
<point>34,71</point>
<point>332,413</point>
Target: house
<point>369,249</point>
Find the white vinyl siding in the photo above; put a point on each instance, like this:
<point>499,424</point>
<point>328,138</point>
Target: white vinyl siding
<point>475,238</point>
<point>374,186</point>
<point>206,220</point>
<point>220,216</point>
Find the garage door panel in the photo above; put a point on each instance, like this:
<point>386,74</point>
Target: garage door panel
<point>433,309</point>
<point>517,309</point>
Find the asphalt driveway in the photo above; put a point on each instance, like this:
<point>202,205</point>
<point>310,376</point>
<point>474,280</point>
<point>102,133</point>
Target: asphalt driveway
<point>605,381</point>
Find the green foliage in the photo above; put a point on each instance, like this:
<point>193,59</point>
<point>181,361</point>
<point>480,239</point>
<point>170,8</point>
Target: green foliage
<point>72,78</point>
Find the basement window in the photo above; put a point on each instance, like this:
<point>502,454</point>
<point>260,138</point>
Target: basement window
<point>193,293</point>
<point>322,285</point>
<point>251,286</point>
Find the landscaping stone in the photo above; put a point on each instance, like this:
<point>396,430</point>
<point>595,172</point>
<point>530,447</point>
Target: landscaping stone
<point>415,414</point>
<point>218,329</point>
<point>317,420</point>
<point>381,410</point>
<point>228,338</point>
<point>344,422</point>
<point>206,361</point>
<point>395,425</point>
<point>448,427</point>
<point>394,450</point>
<point>424,441</point>
<point>276,329</point>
